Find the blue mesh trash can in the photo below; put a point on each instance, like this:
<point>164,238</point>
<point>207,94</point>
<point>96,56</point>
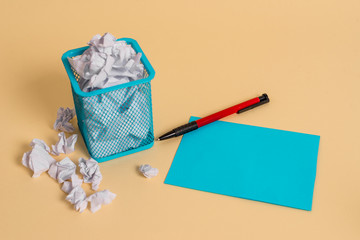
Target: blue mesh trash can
<point>114,121</point>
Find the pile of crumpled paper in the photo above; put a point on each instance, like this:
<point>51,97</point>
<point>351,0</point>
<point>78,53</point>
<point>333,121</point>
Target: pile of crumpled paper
<point>39,160</point>
<point>107,63</point>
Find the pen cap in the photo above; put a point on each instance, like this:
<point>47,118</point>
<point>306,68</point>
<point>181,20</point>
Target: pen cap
<point>264,98</point>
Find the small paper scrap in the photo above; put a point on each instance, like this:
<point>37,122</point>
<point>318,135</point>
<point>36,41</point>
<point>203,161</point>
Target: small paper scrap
<point>77,197</point>
<point>91,172</point>
<point>40,143</point>
<point>69,186</point>
<point>148,171</point>
<point>62,122</point>
<point>38,159</point>
<point>62,170</point>
<point>100,198</point>
<point>64,145</point>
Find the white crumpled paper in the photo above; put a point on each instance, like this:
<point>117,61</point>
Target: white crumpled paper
<point>38,159</point>
<point>64,145</point>
<point>77,197</point>
<point>107,63</point>
<point>40,143</point>
<point>62,170</point>
<point>70,185</point>
<point>100,198</point>
<point>62,121</point>
<point>91,172</point>
<point>148,171</point>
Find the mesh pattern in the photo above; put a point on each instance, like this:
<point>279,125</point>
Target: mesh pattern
<point>115,121</point>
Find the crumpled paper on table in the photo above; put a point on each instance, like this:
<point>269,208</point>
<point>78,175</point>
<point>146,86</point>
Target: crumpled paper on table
<point>38,159</point>
<point>100,198</point>
<point>40,143</point>
<point>91,172</point>
<point>70,185</point>
<point>64,115</point>
<point>107,63</point>
<point>64,145</point>
<point>77,197</point>
<point>148,171</point>
<point>62,170</point>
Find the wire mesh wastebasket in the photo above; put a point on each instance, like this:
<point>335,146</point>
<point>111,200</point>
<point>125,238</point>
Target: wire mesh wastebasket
<point>114,121</point>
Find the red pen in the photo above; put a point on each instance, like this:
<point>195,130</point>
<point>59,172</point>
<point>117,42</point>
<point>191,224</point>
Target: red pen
<point>239,108</point>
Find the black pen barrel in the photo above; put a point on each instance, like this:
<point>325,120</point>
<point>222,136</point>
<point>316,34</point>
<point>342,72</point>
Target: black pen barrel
<point>191,126</point>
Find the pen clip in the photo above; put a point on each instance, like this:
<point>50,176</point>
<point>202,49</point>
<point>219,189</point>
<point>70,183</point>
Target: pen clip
<point>263,99</point>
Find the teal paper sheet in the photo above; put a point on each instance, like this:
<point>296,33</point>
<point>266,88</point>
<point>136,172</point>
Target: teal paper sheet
<point>255,163</point>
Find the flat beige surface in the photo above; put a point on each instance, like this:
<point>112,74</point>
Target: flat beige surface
<point>207,55</point>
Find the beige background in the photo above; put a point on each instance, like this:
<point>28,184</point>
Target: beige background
<point>207,55</point>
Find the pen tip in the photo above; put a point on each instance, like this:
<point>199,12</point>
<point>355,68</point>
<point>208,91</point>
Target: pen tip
<point>158,139</point>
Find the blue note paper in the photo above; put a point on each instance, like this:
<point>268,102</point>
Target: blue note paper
<point>255,163</point>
